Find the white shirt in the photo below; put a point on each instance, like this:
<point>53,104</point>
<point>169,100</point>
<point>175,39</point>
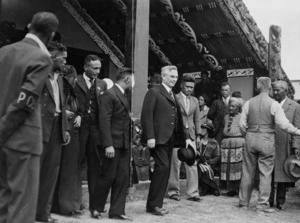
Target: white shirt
<point>87,81</point>
<point>282,102</point>
<point>121,89</point>
<point>167,88</point>
<point>55,88</point>
<point>277,111</point>
<point>226,100</point>
<point>39,42</point>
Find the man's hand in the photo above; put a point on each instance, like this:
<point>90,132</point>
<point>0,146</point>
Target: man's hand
<point>68,138</point>
<point>77,121</point>
<point>151,143</point>
<point>69,114</point>
<point>110,152</point>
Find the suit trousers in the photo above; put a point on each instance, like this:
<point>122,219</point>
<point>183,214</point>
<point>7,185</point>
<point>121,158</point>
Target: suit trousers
<point>191,175</point>
<point>89,141</point>
<point>280,191</point>
<point>162,155</point>
<point>19,180</point>
<point>50,164</point>
<point>259,150</point>
<point>115,176</point>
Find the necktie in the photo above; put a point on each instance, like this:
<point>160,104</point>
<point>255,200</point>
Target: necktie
<point>172,96</point>
<point>187,104</point>
<point>92,81</point>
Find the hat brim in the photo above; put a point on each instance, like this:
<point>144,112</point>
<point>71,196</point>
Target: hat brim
<point>291,165</point>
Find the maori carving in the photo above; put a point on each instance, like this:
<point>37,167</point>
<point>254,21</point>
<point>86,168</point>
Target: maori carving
<point>153,46</point>
<point>188,31</point>
<point>94,31</point>
<point>275,53</point>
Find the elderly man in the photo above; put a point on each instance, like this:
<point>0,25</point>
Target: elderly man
<point>258,119</point>
<point>161,123</point>
<point>190,112</point>
<point>285,144</point>
<point>25,66</point>
<point>218,110</point>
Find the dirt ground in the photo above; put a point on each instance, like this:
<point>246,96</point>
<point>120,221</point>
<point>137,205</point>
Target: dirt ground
<point>210,209</point>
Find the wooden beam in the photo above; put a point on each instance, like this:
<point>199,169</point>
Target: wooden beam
<point>136,50</point>
<point>274,63</point>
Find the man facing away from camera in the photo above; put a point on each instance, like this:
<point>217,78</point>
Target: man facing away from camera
<point>25,66</point>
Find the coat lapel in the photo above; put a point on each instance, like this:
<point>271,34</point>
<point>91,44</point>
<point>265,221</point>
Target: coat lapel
<point>180,101</point>
<point>81,83</point>
<point>60,87</point>
<point>164,92</point>
<point>50,89</point>
<point>122,98</point>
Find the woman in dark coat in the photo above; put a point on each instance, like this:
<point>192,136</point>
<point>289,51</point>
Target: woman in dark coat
<point>67,195</point>
<point>208,162</point>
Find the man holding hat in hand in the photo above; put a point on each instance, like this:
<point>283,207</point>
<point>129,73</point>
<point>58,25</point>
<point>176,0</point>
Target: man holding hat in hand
<point>285,144</point>
<point>190,112</point>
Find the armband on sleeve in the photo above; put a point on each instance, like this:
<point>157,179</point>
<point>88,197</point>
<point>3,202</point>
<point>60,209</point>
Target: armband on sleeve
<point>27,100</point>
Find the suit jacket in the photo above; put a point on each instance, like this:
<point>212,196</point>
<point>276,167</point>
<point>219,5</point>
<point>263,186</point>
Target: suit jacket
<point>48,109</point>
<point>81,91</point>
<point>216,113</point>
<point>284,142</point>
<point>158,117</point>
<point>191,119</point>
<point>114,119</point>
<point>24,70</point>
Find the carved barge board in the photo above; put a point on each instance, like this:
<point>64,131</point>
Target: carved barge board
<point>274,62</point>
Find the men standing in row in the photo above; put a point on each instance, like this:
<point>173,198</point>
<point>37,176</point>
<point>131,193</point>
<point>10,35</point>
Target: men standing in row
<point>161,123</point>
<point>88,89</point>
<point>218,110</point>
<point>24,69</point>
<point>190,112</point>
<point>258,119</point>
<point>114,122</point>
<point>55,131</point>
<point>285,144</point>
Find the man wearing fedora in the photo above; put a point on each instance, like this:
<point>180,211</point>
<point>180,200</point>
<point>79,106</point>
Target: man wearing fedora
<point>258,119</point>
<point>190,112</point>
<point>285,144</point>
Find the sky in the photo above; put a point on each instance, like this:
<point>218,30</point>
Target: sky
<point>286,14</point>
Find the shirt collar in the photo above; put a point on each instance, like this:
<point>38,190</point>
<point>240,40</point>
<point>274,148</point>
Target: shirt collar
<point>282,102</point>
<point>39,42</point>
<point>121,89</point>
<point>167,88</point>
<point>183,95</point>
<point>86,78</point>
<point>226,99</point>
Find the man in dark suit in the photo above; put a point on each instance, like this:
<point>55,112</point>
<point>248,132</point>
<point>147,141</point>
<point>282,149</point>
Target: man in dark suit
<point>89,88</point>
<point>114,122</point>
<point>161,123</point>
<point>285,145</point>
<point>218,110</point>
<point>24,69</point>
<point>55,134</point>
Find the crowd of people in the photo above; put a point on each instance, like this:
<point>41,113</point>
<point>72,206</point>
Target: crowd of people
<point>53,121</point>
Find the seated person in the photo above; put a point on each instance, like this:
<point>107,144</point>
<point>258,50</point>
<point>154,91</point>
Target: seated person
<point>208,162</point>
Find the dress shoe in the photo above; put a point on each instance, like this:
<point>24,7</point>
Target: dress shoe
<point>196,198</point>
<point>103,210</point>
<point>76,212</point>
<point>157,211</point>
<point>175,197</point>
<point>95,214</point>
<point>265,210</point>
<point>280,206</point>
<point>217,193</point>
<point>52,220</point>
<point>242,207</point>
<point>230,193</point>
<point>120,217</point>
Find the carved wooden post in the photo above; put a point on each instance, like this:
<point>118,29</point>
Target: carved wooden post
<point>274,63</point>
